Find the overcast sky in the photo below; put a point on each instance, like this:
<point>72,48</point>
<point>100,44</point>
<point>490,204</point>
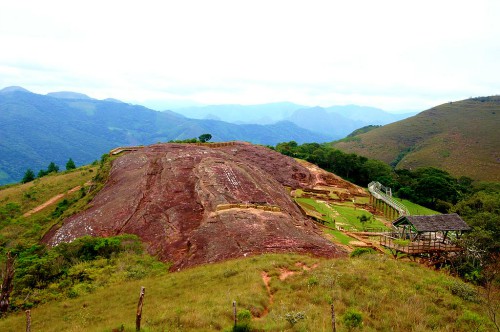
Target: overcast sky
<point>395,55</point>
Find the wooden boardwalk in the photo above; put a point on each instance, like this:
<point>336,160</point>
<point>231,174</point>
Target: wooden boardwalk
<point>417,247</point>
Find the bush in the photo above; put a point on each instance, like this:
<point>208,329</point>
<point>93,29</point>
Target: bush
<point>294,317</point>
<point>361,251</point>
<point>352,319</point>
<point>244,318</point>
<point>464,291</point>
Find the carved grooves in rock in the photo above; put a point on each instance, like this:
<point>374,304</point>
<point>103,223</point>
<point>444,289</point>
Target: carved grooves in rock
<point>152,174</point>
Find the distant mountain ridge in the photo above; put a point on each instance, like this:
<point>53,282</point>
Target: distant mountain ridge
<point>335,121</point>
<point>37,129</point>
<point>68,95</point>
<point>460,137</point>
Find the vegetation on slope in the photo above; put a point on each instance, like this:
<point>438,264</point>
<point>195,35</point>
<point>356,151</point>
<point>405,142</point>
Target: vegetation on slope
<point>413,298</point>
<point>301,291</point>
<point>459,137</point>
<point>430,187</point>
<point>478,204</point>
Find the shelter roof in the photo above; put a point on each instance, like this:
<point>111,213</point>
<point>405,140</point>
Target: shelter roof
<point>434,223</point>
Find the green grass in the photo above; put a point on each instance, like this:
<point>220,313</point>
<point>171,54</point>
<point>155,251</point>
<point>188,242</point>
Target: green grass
<point>345,215</point>
<point>349,216</point>
<point>16,229</point>
<point>389,295</point>
<point>32,194</point>
<point>459,137</point>
<point>416,209</point>
<point>340,237</point>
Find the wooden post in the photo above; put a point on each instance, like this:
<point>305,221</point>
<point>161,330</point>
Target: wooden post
<point>28,320</point>
<point>139,310</point>
<point>334,328</point>
<point>234,313</point>
<point>7,283</point>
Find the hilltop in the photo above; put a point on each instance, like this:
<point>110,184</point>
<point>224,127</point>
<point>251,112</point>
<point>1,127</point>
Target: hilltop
<point>459,137</point>
<point>198,204</point>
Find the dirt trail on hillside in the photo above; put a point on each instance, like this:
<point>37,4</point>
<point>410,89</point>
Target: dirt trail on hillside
<point>51,201</point>
<point>267,281</point>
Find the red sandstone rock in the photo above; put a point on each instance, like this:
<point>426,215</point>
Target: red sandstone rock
<point>168,195</point>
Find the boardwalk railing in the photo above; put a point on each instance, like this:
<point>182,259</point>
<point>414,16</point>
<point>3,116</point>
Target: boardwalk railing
<point>392,241</point>
<point>375,189</point>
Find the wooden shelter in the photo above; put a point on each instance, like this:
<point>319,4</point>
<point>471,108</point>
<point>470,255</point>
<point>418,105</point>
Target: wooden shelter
<point>425,234</point>
<point>433,226</point>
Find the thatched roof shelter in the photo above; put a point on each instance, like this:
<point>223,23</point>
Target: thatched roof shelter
<point>426,234</point>
<point>433,223</point>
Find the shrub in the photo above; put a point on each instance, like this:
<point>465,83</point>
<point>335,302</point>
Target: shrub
<point>464,291</point>
<point>244,318</point>
<point>352,319</point>
<point>361,251</point>
<point>294,317</point>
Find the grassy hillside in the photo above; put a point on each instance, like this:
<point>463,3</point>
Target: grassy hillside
<point>386,295</point>
<point>459,137</point>
<point>272,292</point>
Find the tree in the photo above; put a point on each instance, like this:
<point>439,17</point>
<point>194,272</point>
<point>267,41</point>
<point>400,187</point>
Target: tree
<point>52,168</point>
<point>363,219</point>
<point>42,173</point>
<point>28,176</point>
<point>205,138</point>
<point>70,164</point>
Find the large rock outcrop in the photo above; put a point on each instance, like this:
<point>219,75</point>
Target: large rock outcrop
<point>198,204</point>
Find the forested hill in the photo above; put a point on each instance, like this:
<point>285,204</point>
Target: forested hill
<point>460,137</point>
<point>37,129</point>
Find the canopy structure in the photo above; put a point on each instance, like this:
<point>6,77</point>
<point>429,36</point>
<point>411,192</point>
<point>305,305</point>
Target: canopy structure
<point>416,226</point>
<point>425,234</point>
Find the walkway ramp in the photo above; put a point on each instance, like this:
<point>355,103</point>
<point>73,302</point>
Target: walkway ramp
<point>383,193</point>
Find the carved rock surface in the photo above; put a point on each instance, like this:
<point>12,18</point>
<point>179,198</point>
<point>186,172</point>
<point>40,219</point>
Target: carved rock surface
<point>178,199</point>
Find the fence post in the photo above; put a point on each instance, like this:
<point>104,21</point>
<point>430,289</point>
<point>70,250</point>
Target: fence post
<point>334,328</point>
<point>234,313</point>
<point>139,310</point>
<point>28,320</point>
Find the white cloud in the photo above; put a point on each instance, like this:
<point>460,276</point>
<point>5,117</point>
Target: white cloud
<point>389,54</point>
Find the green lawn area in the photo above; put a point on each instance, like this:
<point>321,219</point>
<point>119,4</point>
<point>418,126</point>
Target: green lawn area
<point>349,216</point>
<point>416,209</point>
<point>339,236</point>
<point>343,214</point>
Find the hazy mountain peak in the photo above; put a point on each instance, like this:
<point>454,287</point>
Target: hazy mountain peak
<point>10,89</point>
<point>68,95</point>
<point>113,100</point>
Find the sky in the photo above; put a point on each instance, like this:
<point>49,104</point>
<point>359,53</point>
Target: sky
<point>392,54</point>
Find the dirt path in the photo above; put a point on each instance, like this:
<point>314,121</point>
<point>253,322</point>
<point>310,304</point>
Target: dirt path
<point>267,279</point>
<point>284,273</point>
<point>51,201</point>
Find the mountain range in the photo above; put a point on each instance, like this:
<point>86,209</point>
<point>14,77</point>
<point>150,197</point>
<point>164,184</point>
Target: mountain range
<point>336,121</point>
<point>460,137</point>
<point>37,129</point>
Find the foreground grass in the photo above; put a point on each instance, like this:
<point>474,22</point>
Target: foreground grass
<point>390,296</point>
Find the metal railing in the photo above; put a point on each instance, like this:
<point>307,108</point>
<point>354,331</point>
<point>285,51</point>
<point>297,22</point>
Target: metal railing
<point>375,188</point>
<point>393,241</point>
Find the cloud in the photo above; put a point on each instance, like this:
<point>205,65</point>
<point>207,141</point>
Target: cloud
<point>390,54</point>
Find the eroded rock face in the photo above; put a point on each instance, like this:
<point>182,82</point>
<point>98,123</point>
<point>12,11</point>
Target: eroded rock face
<point>171,196</point>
